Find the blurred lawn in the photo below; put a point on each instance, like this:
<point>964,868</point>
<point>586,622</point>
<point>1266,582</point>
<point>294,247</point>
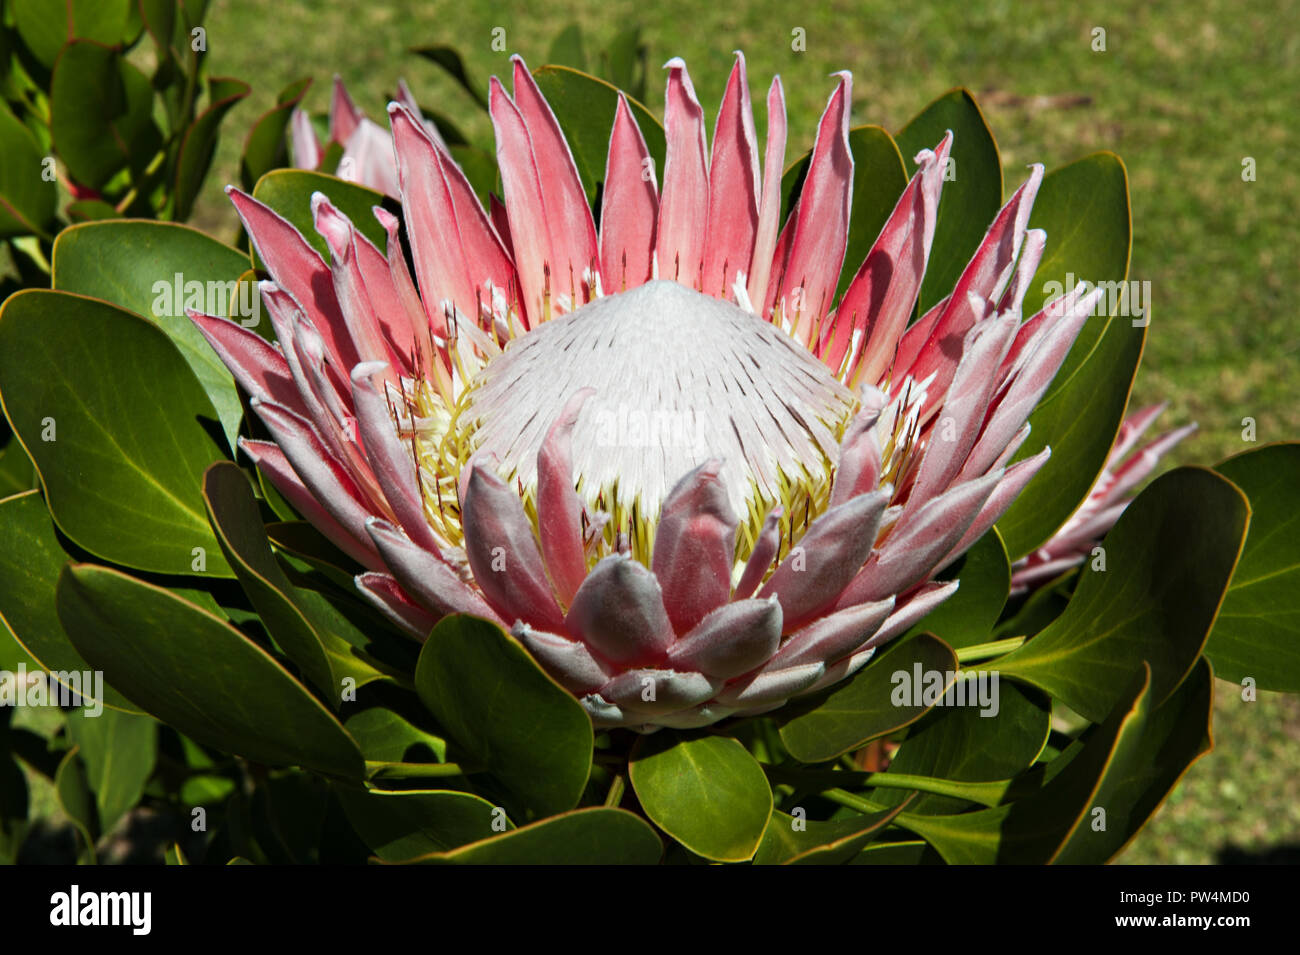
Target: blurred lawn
<point>1183,93</point>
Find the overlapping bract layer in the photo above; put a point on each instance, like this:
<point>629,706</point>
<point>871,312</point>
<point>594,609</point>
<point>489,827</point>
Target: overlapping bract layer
<point>375,368</point>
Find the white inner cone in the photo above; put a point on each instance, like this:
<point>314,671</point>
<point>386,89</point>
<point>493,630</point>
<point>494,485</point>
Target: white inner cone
<point>679,377</point>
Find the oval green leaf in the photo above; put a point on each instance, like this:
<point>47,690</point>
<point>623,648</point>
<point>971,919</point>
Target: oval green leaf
<point>1168,560</point>
<point>972,743</point>
<point>30,563</point>
<point>814,842</point>
<point>101,114</point>
<point>506,715</point>
<point>1257,633</point>
<point>1148,761</point>
<point>1084,209</point>
<point>863,707</point>
<point>157,270</point>
<point>291,616</point>
<point>27,196</point>
<point>72,790</point>
<point>214,685</point>
<point>706,792</point>
<point>46,26</point>
<point>119,751</point>
<point>117,427</point>
<point>582,837</point>
<point>266,148</point>
<point>398,826</point>
<point>384,735</point>
<point>200,143</point>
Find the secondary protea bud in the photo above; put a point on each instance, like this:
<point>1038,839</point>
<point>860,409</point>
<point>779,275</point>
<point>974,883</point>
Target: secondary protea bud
<point>1125,469</point>
<point>367,147</point>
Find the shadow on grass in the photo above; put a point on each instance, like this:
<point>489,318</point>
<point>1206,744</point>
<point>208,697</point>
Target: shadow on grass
<point>1288,854</point>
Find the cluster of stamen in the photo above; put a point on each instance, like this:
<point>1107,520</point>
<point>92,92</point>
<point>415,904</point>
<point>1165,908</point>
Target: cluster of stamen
<point>490,390</point>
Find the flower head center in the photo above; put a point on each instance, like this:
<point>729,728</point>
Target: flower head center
<point>678,378</point>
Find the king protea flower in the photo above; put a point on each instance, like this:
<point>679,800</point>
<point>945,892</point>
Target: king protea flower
<point>653,447</point>
<point>1125,469</point>
<point>367,147</point>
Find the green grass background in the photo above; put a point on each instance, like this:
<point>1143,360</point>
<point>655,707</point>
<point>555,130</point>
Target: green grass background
<point>1183,93</point>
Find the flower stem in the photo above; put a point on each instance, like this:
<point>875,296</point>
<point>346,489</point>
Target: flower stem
<point>615,792</point>
<point>984,651</point>
<point>985,793</point>
<point>852,801</point>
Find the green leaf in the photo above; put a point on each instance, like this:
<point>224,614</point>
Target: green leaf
<point>157,270</point>
<point>101,114</point>
<point>72,790</point>
<point>1125,766</point>
<point>1257,633</point>
<point>30,563</point>
<point>967,617</point>
<point>215,685</point>
<point>1084,208</point>
<point>506,714</point>
<point>862,708</point>
<point>567,50</point>
<point>159,17</point>
<point>625,62</point>
<point>706,792</point>
<point>584,106</point>
<point>199,143</point>
<point>451,134</point>
<point>14,805</point>
<point>118,750</point>
<point>115,424</point>
<point>46,26</point>
<point>970,201</point>
<point>909,852</point>
<point>301,540</point>
<point>480,169</point>
<point>17,474</point>
<point>27,195</point>
<point>1168,560</point>
<point>1030,831</point>
<point>266,146</point>
<point>582,837</point>
<point>91,210</point>
<point>447,58</point>
<point>386,736</point>
<point>1079,423</point>
<point>292,617</point>
<point>289,191</point>
<point>1148,761</point>
<point>969,744</point>
<point>398,826</point>
<point>816,842</point>
<point>13,655</point>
